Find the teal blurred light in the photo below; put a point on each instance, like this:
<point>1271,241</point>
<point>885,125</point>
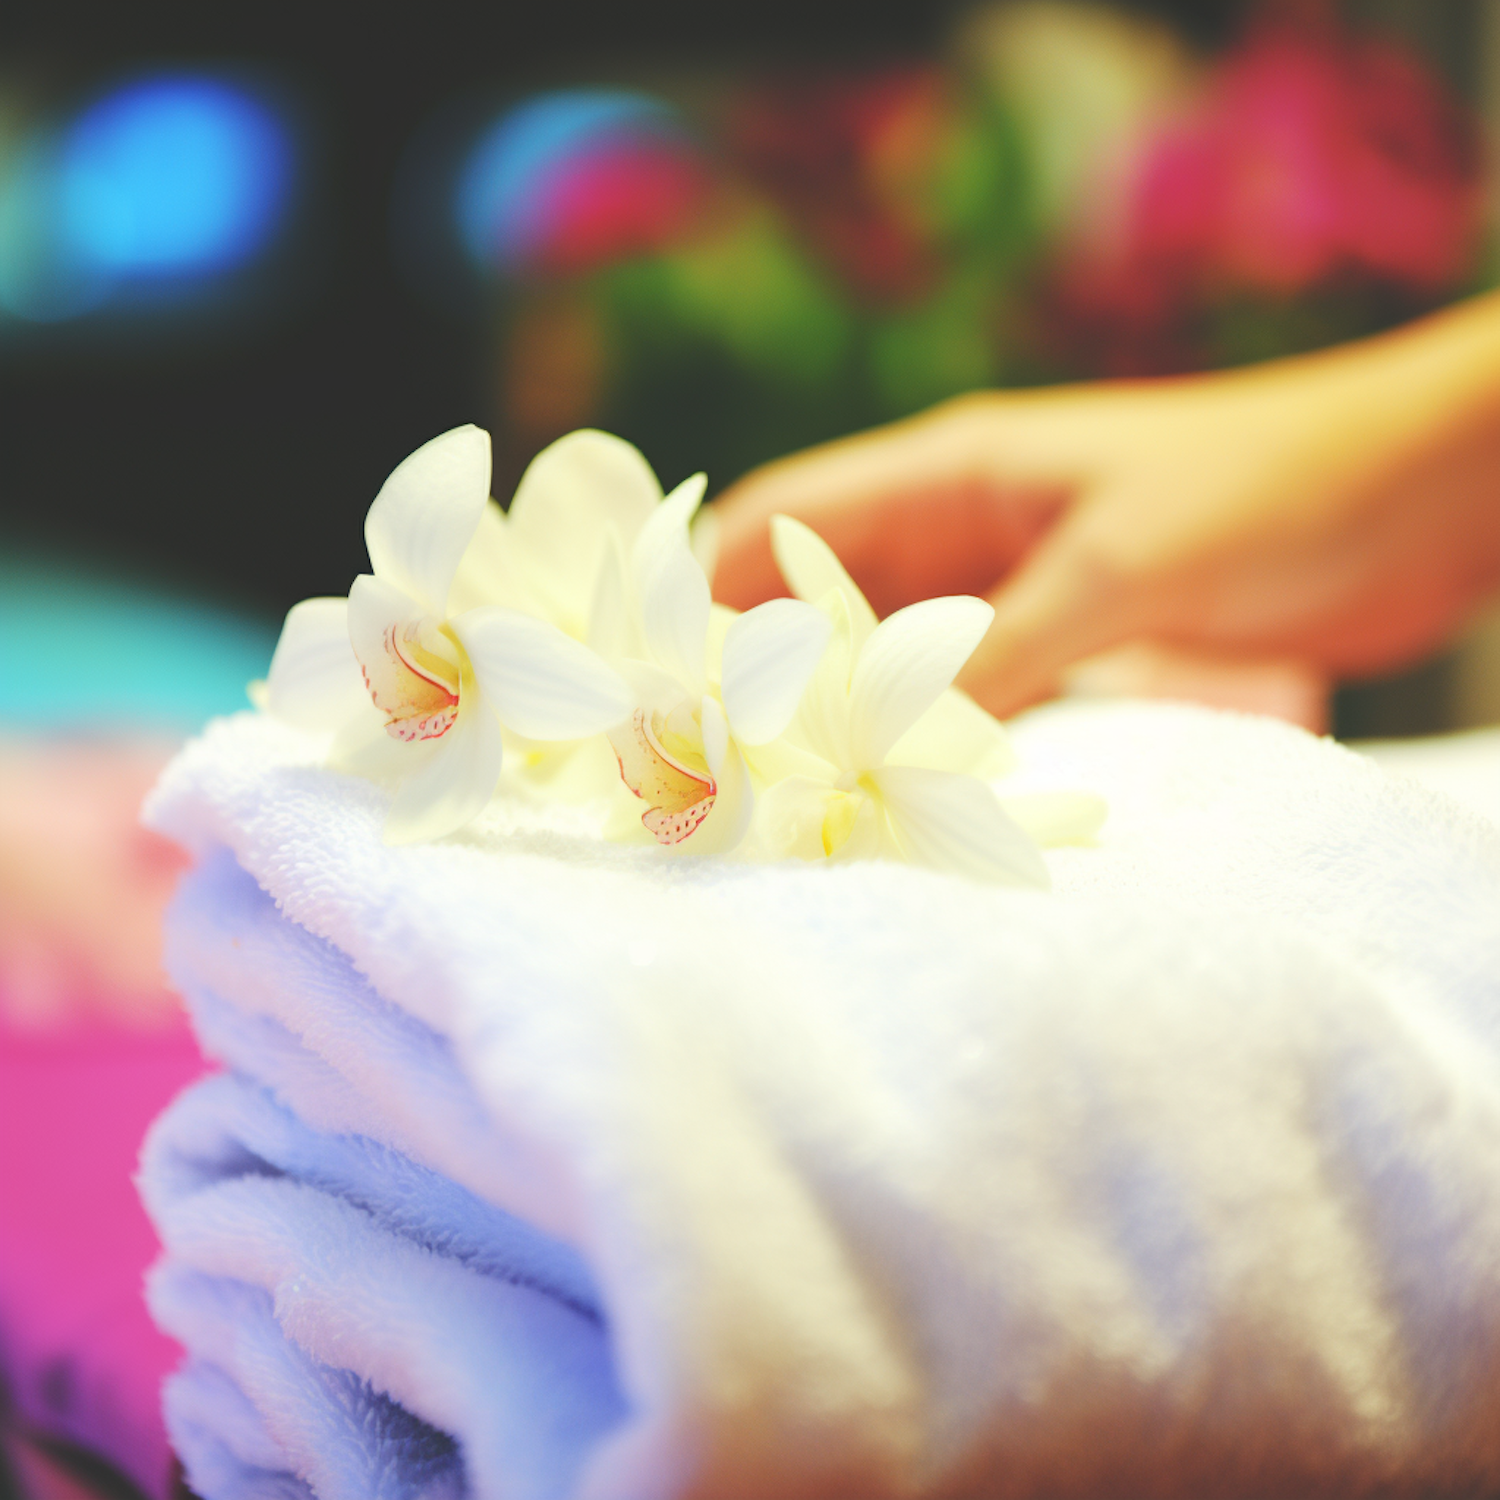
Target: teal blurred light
<point>171,179</point>
<point>42,277</point>
<point>87,652</point>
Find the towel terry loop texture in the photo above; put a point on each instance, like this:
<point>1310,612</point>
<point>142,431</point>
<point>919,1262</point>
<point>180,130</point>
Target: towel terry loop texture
<point>544,1168</point>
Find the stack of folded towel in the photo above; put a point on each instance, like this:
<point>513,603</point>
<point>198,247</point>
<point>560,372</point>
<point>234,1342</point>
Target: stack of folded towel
<point>545,1168</point>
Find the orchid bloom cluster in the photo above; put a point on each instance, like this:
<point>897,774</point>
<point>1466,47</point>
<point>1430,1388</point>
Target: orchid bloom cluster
<point>572,643</point>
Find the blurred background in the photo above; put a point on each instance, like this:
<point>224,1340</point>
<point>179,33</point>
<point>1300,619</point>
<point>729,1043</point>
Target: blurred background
<point>251,257</point>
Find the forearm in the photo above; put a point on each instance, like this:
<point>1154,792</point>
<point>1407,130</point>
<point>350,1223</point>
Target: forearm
<point>1403,408</point>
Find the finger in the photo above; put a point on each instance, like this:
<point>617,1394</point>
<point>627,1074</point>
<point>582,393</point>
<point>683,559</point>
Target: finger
<point>1280,687</point>
<point>830,488</point>
<point>941,503</point>
<point>1059,607</point>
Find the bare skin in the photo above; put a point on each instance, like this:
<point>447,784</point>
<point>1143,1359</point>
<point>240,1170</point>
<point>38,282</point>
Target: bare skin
<point>1333,514</point>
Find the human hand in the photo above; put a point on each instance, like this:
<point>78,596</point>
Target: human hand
<point>1338,513</point>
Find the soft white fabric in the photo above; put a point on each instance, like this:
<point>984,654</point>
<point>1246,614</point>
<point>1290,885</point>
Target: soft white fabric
<point>1463,766</point>
<point>549,1168</point>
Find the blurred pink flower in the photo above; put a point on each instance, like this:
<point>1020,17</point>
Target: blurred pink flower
<point>81,1360</point>
<point>828,152</point>
<point>92,1046</point>
<point>1310,162</point>
<point>630,197</point>
<point>1308,157</point>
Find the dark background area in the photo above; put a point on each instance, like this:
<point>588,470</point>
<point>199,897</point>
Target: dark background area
<point>234,460</point>
<point>240,462</point>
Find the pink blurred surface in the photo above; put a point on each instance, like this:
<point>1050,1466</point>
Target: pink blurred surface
<point>1311,156</point>
<point>77,1349</point>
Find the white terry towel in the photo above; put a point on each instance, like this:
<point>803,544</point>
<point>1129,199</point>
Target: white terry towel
<point>551,1169</point>
<point>1464,766</point>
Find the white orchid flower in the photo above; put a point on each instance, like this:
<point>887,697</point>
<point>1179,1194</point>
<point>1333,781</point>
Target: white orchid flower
<point>581,499</point>
<point>954,734</point>
<point>560,551</point>
<point>850,801</point>
<point>699,710</point>
<point>420,692</point>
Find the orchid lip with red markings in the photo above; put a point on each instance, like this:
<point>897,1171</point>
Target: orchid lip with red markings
<point>682,751</point>
<point>417,702</point>
<point>678,798</point>
<point>586,613</point>
<point>393,666</point>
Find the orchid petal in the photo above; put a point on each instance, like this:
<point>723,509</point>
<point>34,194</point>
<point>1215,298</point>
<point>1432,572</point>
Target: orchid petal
<point>733,807</point>
<point>678,797</point>
<point>909,659</point>
<point>543,684</point>
<point>364,748</point>
<point>1054,818</point>
<point>454,785</point>
<point>572,495</point>
<point>654,689</point>
<point>405,663</point>
<point>779,758</point>
<point>493,571</point>
<point>703,538</point>
<point>315,681</point>
<point>822,718</point>
<point>426,514</point>
<point>672,593</point>
<point>789,817</point>
<point>956,823</point>
<point>720,618</point>
<point>609,629</point>
<point>867,837</point>
<point>683,502</point>
<point>811,568</point>
<point>956,734</point>
<point>770,654</point>
<point>715,730</point>
<point>575,771</point>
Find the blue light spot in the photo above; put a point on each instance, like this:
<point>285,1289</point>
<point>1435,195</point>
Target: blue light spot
<point>499,197</point>
<point>172,176</point>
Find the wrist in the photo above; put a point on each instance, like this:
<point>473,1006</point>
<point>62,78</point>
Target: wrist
<point>1429,384</point>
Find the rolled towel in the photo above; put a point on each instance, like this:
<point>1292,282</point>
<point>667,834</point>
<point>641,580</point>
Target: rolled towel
<point>549,1168</point>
